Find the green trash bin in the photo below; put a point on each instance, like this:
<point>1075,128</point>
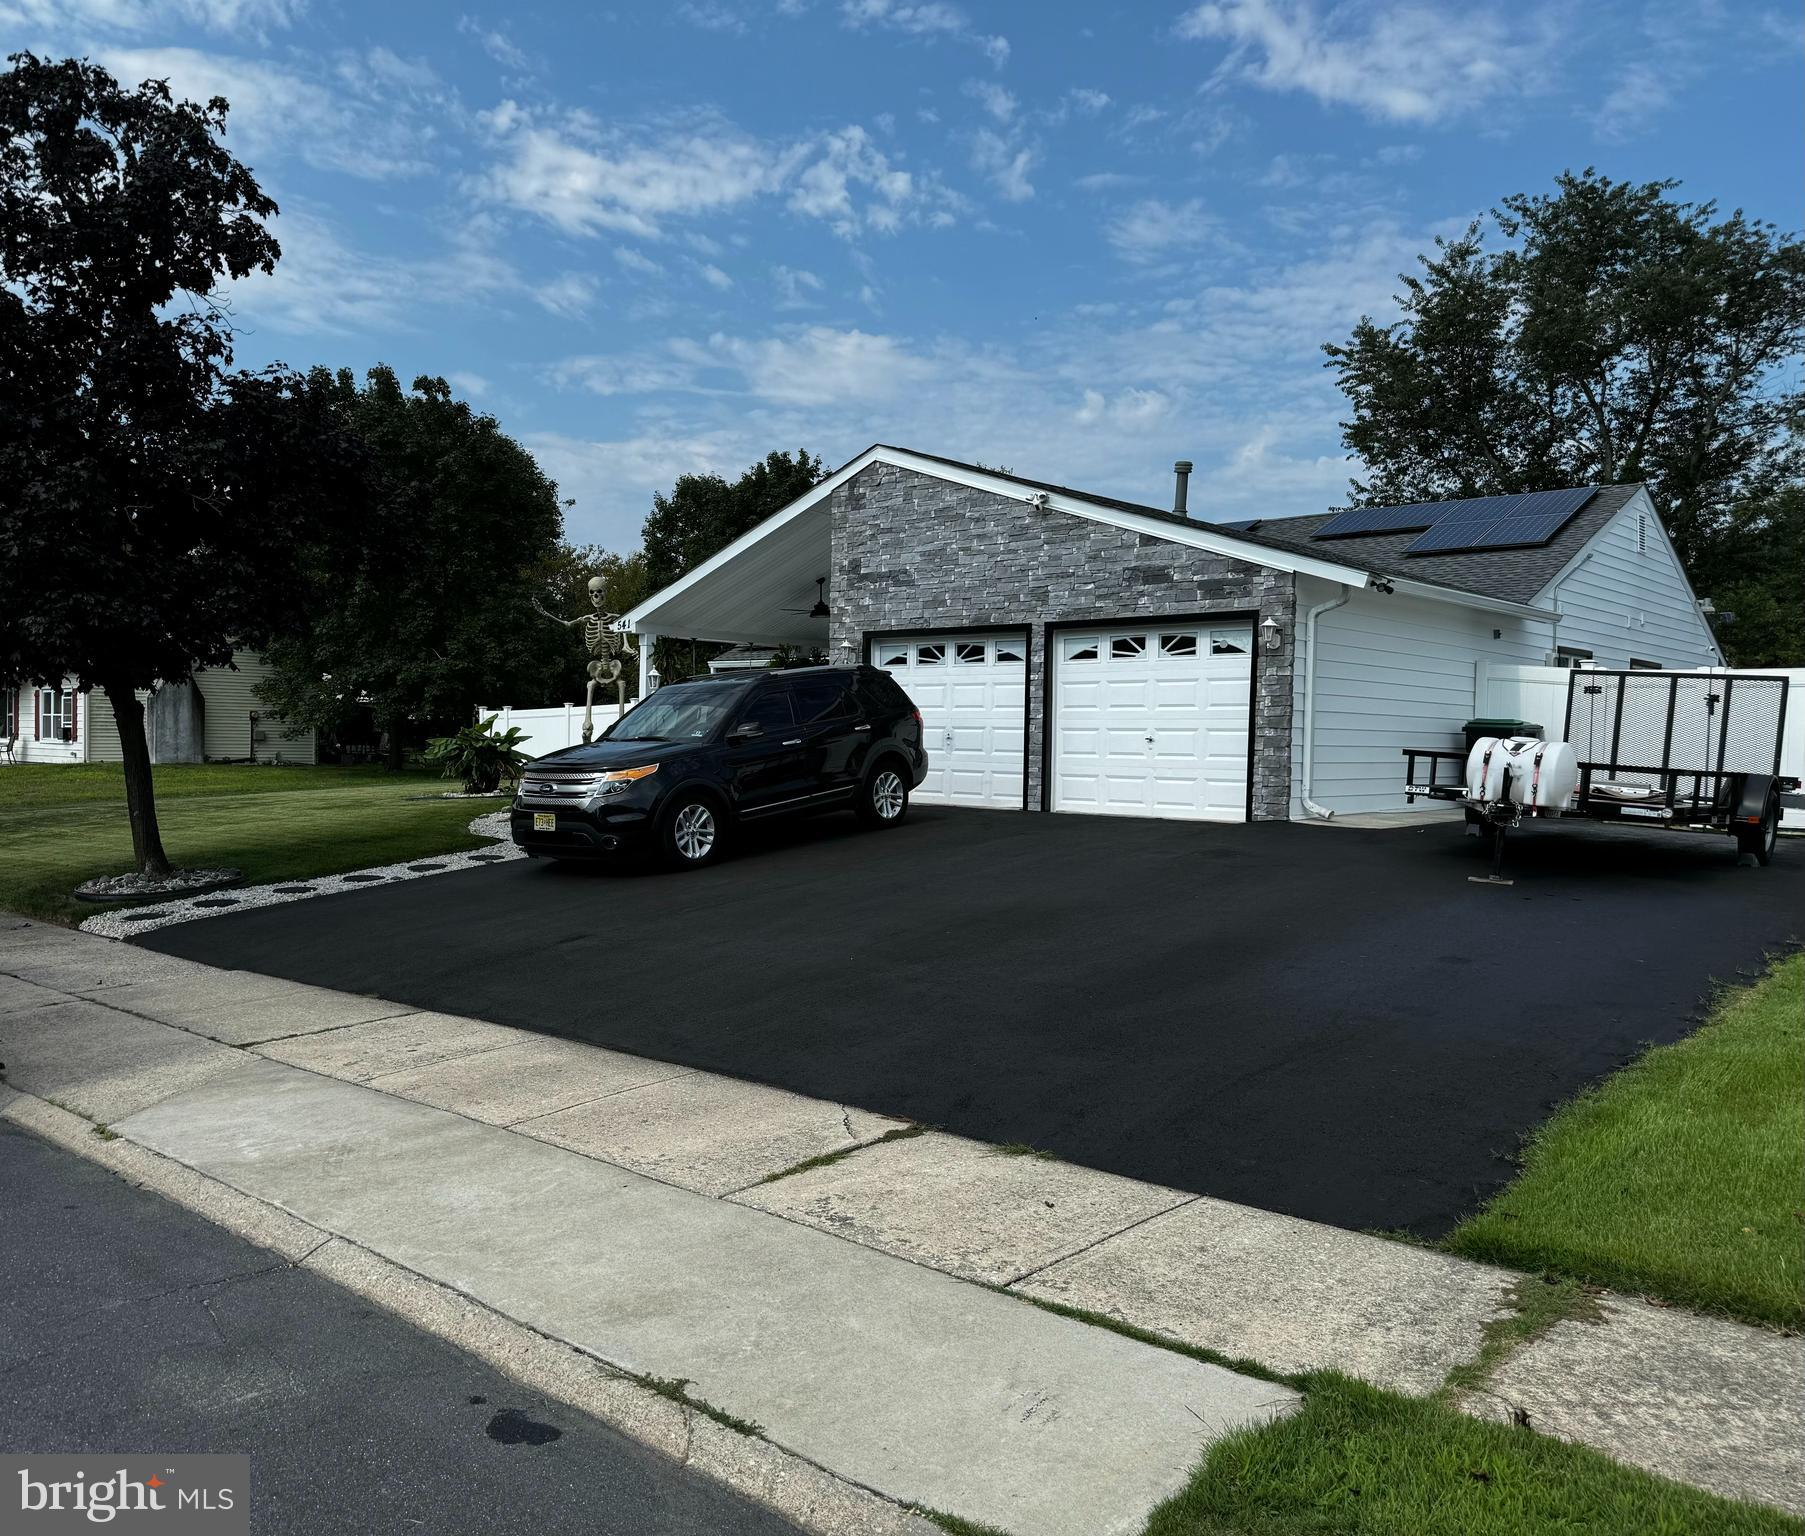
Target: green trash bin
<point>1476,728</point>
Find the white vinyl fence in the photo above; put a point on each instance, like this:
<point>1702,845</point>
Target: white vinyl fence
<point>1540,694</point>
<point>549,729</point>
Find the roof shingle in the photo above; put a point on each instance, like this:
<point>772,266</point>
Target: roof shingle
<point>1515,575</point>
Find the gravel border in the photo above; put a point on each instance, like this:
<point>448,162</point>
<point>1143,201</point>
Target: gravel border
<point>145,918</point>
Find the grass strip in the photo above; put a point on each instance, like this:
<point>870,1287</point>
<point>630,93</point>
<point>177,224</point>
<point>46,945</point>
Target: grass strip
<point>1682,1176</point>
<point>276,824</point>
<point>1358,1461</point>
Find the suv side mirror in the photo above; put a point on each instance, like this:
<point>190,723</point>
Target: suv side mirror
<point>745,731</point>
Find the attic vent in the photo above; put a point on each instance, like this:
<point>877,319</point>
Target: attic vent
<point>1642,535</point>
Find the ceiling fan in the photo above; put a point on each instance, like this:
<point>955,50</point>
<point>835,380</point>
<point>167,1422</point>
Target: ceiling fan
<point>820,610</point>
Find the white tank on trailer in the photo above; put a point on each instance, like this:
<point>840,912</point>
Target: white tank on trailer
<point>1543,774</point>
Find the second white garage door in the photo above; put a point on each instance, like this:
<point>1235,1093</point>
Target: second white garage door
<point>1152,721</point>
<point>970,691</point>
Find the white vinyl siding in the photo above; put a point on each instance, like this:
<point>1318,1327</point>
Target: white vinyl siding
<point>1391,672</point>
<point>1630,598</point>
<point>227,735</point>
<point>230,703</point>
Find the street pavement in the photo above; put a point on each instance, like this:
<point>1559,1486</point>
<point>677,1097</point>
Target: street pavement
<point>129,1324</point>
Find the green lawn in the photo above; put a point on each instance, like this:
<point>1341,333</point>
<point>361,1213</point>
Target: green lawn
<point>1683,1176</point>
<point>1356,1461</point>
<point>62,825</point>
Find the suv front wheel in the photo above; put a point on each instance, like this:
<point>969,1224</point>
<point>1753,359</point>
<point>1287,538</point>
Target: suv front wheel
<point>691,835</point>
<point>884,798</point>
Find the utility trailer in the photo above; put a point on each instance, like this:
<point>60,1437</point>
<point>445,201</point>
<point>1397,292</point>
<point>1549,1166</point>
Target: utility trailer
<point>1696,751</point>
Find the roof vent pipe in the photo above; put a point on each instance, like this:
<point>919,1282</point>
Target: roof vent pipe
<point>1182,469</point>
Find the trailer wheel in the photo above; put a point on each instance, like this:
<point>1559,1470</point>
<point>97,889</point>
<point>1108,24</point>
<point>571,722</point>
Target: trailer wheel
<point>1759,841</point>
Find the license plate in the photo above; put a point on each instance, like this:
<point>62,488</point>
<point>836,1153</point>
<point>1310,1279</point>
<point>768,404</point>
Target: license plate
<point>545,821</point>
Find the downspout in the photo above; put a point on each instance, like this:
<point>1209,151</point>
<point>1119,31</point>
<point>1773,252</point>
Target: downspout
<point>1310,698</point>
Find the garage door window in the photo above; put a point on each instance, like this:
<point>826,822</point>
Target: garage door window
<point>893,655</point>
<point>969,653</point>
<point>1178,645</point>
<point>929,655</point>
<point>1008,650</point>
<point>1125,647</point>
<point>1079,650</point>
<point>1229,642</point>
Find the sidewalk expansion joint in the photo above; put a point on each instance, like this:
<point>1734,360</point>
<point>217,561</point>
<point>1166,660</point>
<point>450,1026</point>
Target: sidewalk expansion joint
<point>1140,1221</point>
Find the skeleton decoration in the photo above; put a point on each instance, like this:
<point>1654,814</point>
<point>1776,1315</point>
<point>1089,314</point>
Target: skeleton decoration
<point>606,647</point>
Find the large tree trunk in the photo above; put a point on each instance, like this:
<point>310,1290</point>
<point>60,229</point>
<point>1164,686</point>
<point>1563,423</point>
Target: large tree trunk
<point>140,793</point>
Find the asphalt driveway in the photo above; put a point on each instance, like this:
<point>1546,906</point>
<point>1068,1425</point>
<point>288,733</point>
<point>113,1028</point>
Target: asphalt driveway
<point>1328,1022</point>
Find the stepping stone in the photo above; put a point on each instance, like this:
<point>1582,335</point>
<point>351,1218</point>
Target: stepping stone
<point>362,879</point>
<point>484,858</point>
<point>292,890</point>
<point>217,901</point>
<point>424,869</point>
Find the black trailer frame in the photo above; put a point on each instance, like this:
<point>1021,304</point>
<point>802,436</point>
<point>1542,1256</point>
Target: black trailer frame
<point>1687,759</point>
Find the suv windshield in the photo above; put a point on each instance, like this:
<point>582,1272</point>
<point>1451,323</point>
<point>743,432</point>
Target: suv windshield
<point>677,712</point>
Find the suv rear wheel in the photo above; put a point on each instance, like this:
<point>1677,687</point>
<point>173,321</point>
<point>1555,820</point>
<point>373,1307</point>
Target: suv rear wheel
<point>884,797</point>
<point>692,832</point>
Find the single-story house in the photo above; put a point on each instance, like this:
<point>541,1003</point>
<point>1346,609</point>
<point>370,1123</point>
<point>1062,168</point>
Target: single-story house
<point>1076,652</point>
<point>212,717</point>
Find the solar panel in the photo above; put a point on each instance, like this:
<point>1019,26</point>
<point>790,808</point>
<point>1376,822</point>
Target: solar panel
<point>1359,520</point>
<point>1516,522</point>
<point>1241,524</point>
<point>1509,520</point>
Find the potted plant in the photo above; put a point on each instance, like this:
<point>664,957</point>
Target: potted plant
<point>479,755</point>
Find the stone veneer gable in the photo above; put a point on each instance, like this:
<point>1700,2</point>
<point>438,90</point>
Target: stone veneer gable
<point>913,551</point>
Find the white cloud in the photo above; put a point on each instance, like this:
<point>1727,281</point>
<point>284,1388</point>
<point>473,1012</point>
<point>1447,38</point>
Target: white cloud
<point>569,295</point>
<point>1104,181</point>
<point>368,120</point>
<point>928,18</point>
<point>1152,229</point>
<point>1132,408</point>
<point>1088,101</point>
<point>496,43</point>
<point>794,287</point>
<point>998,102</point>
<point>634,261</point>
<point>472,384</point>
<point>255,18</point>
<point>1005,163</point>
<point>811,366</point>
<point>1401,62</point>
<point>715,277</point>
<point>324,286</point>
<point>712,16</point>
<point>584,179</point>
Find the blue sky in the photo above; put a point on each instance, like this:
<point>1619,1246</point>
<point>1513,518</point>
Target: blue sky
<point>1076,241</point>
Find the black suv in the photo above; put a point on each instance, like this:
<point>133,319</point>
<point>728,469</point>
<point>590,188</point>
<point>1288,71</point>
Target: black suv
<point>693,759</point>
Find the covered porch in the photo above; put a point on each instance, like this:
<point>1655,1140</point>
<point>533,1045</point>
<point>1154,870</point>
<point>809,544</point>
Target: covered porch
<point>759,590</point>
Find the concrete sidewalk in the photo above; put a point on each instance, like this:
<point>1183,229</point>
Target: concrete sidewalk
<point>657,1219</point>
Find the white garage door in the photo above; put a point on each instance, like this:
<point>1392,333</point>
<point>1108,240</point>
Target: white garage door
<point>1152,721</point>
<point>969,689</point>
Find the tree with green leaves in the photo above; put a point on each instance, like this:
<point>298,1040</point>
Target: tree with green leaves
<point>702,515</point>
<point>1617,334</point>
<point>416,595</point>
<point>150,498</point>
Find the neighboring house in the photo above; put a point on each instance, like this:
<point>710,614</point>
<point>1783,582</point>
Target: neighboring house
<point>215,717</point>
<point>744,658</point>
<point>1077,652</point>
